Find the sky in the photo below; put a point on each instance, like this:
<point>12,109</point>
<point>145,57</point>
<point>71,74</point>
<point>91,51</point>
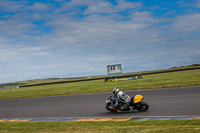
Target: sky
<point>73,38</point>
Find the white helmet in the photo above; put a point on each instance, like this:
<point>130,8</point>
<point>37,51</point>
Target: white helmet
<point>115,90</point>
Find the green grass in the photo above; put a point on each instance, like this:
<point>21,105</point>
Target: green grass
<point>165,126</point>
<point>153,81</point>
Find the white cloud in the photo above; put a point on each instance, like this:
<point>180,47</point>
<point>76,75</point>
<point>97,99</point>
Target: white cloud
<point>16,28</point>
<point>99,6</point>
<point>30,48</point>
<point>12,6</point>
<point>144,17</point>
<point>39,7</point>
<point>187,23</point>
<point>103,7</point>
<point>106,7</point>
<point>198,4</point>
<point>124,5</point>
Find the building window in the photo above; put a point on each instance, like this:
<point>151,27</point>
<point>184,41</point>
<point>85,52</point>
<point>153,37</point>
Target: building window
<point>112,68</point>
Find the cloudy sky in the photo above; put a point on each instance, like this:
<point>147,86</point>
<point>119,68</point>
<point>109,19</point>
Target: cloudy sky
<point>70,38</point>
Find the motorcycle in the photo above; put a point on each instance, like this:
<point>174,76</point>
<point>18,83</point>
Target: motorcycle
<point>134,103</point>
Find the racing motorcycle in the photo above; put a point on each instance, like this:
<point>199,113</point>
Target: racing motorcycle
<point>134,103</point>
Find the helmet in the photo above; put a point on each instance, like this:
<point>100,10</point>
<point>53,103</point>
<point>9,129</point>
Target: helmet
<point>115,90</point>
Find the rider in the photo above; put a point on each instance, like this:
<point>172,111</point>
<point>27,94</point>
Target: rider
<point>122,97</point>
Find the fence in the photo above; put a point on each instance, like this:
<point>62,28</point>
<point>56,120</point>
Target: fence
<point>10,87</point>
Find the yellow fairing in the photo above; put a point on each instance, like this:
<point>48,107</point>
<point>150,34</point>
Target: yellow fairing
<point>108,101</point>
<point>138,98</point>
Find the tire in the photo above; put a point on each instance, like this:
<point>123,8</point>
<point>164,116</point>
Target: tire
<point>142,106</point>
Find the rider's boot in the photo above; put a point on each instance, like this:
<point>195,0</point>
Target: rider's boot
<point>116,104</point>
<point>123,107</point>
<point>130,108</point>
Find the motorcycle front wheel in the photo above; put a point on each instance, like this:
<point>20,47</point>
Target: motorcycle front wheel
<point>142,106</point>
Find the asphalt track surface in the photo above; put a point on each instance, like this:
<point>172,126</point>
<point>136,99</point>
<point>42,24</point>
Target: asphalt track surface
<point>163,102</point>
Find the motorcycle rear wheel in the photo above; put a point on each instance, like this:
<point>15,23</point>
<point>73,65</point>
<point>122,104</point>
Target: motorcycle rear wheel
<point>142,106</point>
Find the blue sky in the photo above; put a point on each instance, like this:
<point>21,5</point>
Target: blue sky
<point>70,38</point>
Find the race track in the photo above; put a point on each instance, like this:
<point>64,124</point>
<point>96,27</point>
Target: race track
<point>163,102</point>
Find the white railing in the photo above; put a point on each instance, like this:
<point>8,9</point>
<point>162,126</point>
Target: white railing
<point>10,87</point>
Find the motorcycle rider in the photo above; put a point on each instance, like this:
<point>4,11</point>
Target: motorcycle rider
<point>122,97</point>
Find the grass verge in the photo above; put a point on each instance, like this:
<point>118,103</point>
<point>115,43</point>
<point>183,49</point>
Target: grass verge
<point>166,126</point>
<point>153,81</point>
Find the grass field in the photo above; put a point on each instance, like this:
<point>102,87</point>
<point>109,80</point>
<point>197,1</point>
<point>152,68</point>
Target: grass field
<point>153,81</point>
<point>164,126</point>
